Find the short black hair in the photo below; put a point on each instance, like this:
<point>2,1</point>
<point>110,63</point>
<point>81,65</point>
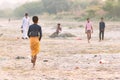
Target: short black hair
<point>88,18</point>
<point>58,24</point>
<point>35,19</point>
<point>102,18</point>
<point>26,14</point>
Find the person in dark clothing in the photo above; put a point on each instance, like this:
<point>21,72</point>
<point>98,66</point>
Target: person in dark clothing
<point>101,29</point>
<point>35,35</point>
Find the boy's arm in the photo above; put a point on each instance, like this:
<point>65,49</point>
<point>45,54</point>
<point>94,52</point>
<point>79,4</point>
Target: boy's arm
<point>40,33</point>
<point>60,29</point>
<point>99,25</point>
<point>104,24</point>
<point>86,29</point>
<point>92,29</point>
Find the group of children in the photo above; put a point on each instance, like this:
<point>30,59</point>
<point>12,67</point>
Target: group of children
<point>34,32</point>
<point>89,29</point>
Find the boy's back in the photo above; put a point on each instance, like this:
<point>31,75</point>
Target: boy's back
<point>101,25</point>
<point>36,29</point>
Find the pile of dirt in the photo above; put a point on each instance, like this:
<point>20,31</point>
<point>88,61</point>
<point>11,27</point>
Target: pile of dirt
<point>66,35</point>
<point>53,35</point>
<point>62,35</point>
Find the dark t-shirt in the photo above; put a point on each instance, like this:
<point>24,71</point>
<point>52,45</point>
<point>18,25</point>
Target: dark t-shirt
<point>36,29</point>
<point>101,25</point>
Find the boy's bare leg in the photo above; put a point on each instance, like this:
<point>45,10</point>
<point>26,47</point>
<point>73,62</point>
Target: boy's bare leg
<point>88,37</point>
<point>99,36</point>
<point>103,35</point>
<point>34,60</point>
<point>88,41</point>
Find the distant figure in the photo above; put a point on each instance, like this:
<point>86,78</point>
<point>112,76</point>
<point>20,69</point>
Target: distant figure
<point>25,26</point>
<point>88,29</point>
<point>101,29</point>
<point>35,35</point>
<point>59,29</point>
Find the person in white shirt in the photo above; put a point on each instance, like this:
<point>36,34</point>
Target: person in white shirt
<point>25,26</point>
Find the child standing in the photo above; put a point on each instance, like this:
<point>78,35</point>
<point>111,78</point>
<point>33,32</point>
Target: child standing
<point>88,29</point>
<point>101,29</point>
<point>25,26</point>
<point>35,35</point>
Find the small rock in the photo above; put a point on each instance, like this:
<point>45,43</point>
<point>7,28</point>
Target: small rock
<point>103,61</point>
<point>76,68</point>
<point>100,78</point>
<point>45,60</point>
<point>95,55</point>
<point>19,57</point>
<point>44,75</point>
<point>17,38</point>
<point>117,78</point>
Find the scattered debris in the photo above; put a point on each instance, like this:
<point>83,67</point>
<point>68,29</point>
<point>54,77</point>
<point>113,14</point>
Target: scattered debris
<point>20,57</point>
<point>95,55</point>
<point>76,67</point>
<point>1,34</point>
<point>45,60</point>
<point>103,61</point>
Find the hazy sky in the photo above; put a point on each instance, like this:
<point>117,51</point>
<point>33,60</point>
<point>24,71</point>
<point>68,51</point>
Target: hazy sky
<point>12,3</point>
<point>15,1</point>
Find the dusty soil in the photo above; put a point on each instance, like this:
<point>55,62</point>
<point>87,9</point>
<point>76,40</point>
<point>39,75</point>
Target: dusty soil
<point>60,58</point>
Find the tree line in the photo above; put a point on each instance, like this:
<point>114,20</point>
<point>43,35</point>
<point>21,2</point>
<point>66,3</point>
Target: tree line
<point>78,8</point>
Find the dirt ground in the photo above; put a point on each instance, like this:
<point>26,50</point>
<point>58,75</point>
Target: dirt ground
<point>68,58</point>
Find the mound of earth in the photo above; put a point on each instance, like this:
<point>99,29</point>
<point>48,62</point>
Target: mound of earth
<point>66,35</point>
<point>62,35</point>
<point>53,35</point>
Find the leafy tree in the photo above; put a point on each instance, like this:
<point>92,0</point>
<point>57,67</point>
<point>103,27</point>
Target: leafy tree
<point>55,6</point>
<point>32,8</point>
<point>113,8</point>
<point>91,11</point>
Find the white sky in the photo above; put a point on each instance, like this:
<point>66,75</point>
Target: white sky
<point>12,3</point>
<point>15,1</point>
